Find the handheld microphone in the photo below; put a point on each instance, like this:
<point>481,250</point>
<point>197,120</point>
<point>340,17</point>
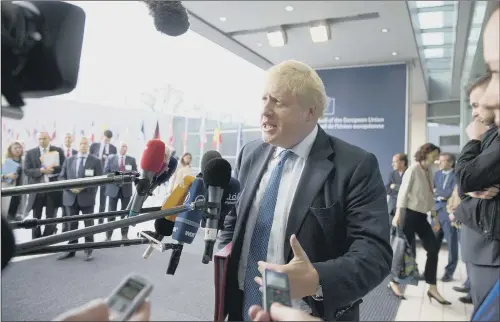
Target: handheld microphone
<point>164,175</point>
<point>207,157</point>
<point>170,17</point>
<point>151,163</point>
<point>229,200</point>
<point>216,176</point>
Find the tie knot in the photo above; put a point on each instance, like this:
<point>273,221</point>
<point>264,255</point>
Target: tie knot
<point>285,154</point>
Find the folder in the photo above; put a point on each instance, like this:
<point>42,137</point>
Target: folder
<point>221,260</point>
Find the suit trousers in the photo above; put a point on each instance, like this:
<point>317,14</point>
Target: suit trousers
<point>44,200</point>
<point>482,279</point>
<point>112,205</point>
<point>451,234</point>
<point>102,201</point>
<point>416,223</point>
<point>73,225</point>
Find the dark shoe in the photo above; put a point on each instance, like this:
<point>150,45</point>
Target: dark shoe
<point>108,238</point>
<point>100,221</point>
<point>88,255</point>
<point>447,278</point>
<point>465,299</point>
<point>461,289</point>
<point>400,296</point>
<point>432,296</point>
<point>66,255</point>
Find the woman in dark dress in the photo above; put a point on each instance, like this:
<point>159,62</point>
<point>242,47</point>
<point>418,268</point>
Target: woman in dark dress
<point>11,206</point>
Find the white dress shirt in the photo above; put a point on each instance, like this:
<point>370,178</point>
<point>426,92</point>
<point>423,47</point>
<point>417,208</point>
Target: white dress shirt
<point>42,152</point>
<point>103,148</point>
<point>292,172</point>
<point>80,162</point>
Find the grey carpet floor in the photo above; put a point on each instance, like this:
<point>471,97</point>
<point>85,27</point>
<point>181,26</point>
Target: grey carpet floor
<point>41,288</point>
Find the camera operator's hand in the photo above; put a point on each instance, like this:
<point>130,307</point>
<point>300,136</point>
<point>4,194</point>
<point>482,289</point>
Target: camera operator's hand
<point>279,313</point>
<point>98,310</point>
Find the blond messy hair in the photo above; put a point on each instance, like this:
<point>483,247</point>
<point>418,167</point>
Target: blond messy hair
<point>295,78</point>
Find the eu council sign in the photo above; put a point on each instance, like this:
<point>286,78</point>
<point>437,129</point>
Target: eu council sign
<point>366,107</point>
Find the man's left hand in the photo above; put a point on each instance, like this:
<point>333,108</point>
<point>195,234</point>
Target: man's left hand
<point>303,277</point>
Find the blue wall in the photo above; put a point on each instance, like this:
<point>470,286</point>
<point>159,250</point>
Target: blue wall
<point>367,108</point>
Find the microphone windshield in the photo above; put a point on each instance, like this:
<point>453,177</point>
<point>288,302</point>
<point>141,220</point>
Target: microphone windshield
<point>209,155</point>
<point>164,227</point>
<point>217,173</point>
<point>153,156</point>
<point>170,17</point>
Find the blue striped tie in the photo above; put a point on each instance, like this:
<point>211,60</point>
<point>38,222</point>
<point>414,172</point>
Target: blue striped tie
<point>260,237</point>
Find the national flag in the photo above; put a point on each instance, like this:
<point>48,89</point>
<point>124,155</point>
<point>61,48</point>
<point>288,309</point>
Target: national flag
<point>143,132</point>
<point>217,139</point>
<point>156,135</point>
<point>203,136</point>
<point>92,137</point>
<point>239,142</point>
<point>28,132</point>
<point>82,132</point>
<point>17,136</point>
<point>104,127</point>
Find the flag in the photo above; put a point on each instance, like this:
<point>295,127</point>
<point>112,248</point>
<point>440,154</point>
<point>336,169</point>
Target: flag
<point>143,132</point>
<point>203,136</point>
<point>53,137</point>
<point>239,142</point>
<point>171,139</point>
<point>92,137</point>
<point>28,132</point>
<point>82,132</point>
<point>35,134</point>
<point>156,135</point>
<point>217,139</point>
<point>17,136</point>
<point>104,127</point>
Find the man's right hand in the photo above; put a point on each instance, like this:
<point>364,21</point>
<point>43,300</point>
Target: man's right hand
<point>98,310</point>
<point>279,313</point>
<point>46,170</point>
<point>12,176</point>
<point>489,193</point>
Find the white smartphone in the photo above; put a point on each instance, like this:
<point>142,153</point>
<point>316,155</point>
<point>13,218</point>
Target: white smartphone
<point>128,297</point>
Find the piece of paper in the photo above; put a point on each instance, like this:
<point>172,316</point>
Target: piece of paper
<point>51,158</point>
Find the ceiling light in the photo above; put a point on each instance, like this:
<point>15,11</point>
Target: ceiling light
<point>320,32</point>
<point>223,19</point>
<point>337,58</point>
<point>394,53</point>
<point>289,8</point>
<point>385,30</point>
<point>276,38</point>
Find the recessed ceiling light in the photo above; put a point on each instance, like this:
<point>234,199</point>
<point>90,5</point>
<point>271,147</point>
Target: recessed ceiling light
<point>320,32</point>
<point>289,8</point>
<point>385,30</point>
<point>276,38</point>
<point>394,53</point>
<point>222,19</point>
<point>259,44</point>
<point>337,58</point>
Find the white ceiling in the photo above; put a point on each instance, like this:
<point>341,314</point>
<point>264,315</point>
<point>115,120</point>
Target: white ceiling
<point>355,43</point>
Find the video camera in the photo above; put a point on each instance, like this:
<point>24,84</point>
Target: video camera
<point>41,49</point>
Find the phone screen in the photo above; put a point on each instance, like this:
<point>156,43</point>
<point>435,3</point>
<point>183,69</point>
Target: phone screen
<point>125,295</point>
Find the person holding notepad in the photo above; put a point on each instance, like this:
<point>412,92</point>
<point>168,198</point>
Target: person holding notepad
<point>12,176</point>
<point>43,164</point>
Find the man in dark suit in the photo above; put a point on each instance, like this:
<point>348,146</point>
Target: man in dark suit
<point>399,166</point>
<point>444,183</point>
<point>101,150</point>
<point>121,162</point>
<point>68,151</point>
<point>81,165</point>
<point>301,181</point>
<point>38,171</point>
<point>477,172</point>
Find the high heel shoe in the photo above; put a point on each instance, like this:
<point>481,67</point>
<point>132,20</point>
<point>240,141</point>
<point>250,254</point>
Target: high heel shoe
<point>432,296</point>
<point>400,296</point>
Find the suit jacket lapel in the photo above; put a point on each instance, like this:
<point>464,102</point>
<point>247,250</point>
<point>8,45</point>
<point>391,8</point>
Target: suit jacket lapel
<point>318,166</point>
<point>261,160</point>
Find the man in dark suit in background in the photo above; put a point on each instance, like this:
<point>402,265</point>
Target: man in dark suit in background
<point>399,166</point>
<point>101,150</point>
<point>119,162</point>
<point>68,151</point>
<point>38,171</point>
<point>81,165</point>
<point>301,181</point>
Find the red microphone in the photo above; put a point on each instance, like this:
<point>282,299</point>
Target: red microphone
<point>152,162</point>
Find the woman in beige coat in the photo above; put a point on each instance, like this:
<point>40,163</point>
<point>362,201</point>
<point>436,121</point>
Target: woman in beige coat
<point>184,169</point>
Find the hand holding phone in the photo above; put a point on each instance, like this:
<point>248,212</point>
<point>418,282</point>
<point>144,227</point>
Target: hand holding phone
<point>128,297</point>
<point>276,288</point>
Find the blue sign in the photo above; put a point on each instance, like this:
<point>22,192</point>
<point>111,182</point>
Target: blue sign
<point>367,107</point>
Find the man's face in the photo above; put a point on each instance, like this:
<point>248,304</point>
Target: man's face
<point>397,164</point>
<point>123,148</point>
<point>68,140</point>
<point>480,112</point>
<point>106,140</point>
<point>43,139</point>
<point>445,162</point>
<point>284,122</point>
<point>491,52</point>
<point>84,146</point>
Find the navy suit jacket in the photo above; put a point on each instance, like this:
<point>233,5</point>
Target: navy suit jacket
<point>444,191</point>
<point>112,165</point>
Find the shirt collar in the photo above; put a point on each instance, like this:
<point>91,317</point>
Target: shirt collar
<point>83,155</point>
<point>47,148</point>
<point>446,172</point>
<point>303,148</point>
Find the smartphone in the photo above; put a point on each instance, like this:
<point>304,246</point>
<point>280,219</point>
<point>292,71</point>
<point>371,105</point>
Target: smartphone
<point>128,297</point>
<point>276,288</point>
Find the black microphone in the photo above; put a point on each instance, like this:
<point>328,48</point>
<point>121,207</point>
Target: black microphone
<point>8,243</point>
<point>207,157</point>
<point>216,176</point>
<point>229,200</point>
<point>170,17</point>
<point>163,228</point>
<point>175,257</point>
<point>164,176</point>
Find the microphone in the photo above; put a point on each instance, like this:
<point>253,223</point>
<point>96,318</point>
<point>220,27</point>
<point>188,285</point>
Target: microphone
<point>229,200</point>
<point>8,243</point>
<point>164,175</point>
<point>151,163</point>
<point>216,176</point>
<point>207,157</point>
<point>164,226</point>
<point>170,17</point>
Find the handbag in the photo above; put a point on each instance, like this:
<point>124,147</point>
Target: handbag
<point>404,266</point>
